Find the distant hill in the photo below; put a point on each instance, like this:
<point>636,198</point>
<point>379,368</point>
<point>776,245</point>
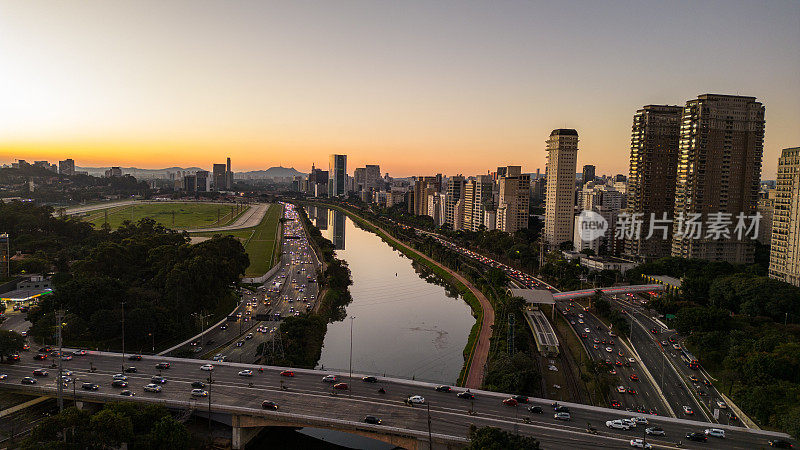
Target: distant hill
<point>272,172</point>
<point>137,172</point>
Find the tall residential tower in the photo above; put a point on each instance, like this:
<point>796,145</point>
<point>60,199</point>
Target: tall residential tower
<point>784,256</point>
<point>651,184</point>
<point>562,158</point>
<point>719,171</point>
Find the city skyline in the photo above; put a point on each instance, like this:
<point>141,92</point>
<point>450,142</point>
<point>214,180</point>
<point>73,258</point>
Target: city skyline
<point>401,85</point>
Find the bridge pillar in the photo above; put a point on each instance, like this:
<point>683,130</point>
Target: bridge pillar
<point>241,435</point>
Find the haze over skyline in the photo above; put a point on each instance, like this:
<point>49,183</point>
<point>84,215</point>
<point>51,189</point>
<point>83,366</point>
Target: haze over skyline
<point>417,87</point>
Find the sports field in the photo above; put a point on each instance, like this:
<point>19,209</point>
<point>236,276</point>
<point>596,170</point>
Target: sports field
<point>173,215</point>
<point>259,241</point>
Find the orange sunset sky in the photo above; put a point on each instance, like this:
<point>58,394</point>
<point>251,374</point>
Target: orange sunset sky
<point>417,87</point>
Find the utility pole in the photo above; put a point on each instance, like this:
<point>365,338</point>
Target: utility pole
<point>210,380</point>
<point>430,434</point>
<point>60,381</point>
<point>350,390</point>
<point>123,337</point>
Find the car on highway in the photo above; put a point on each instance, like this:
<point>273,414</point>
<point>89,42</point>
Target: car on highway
<point>639,420</point>
<point>28,380</point>
<point>520,398</point>
<point>467,395</point>
<point>66,358</point>
<point>127,393</point>
<point>714,432</point>
<point>722,405</point>
<point>119,383</point>
<point>40,357</point>
<point>562,416</point>
<point>90,386</point>
<point>223,327</point>
<point>655,431</point>
<point>119,376</point>
<point>130,369</point>
<point>40,372</point>
<point>617,425</point>
<point>152,387</point>
<point>621,389</point>
<point>287,373</point>
<point>249,336</point>
<point>634,377</point>
<point>372,420</point>
<point>510,402</point>
<point>369,379</point>
<point>632,391</point>
<point>199,393</point>
<point>198,384</point>
<point>80,353</point>
<point>586,330</point>
<point>780,443</point>
<point>416,399</point>
<point>640,443</point>
<point>330,379</point>
<point>631,360</point>
<point>560,408</point>
<point>239,343</point>
<point>443,388</point>
<point>609,349</point>
<point>615,404</point>
<point>13,357</point>
<point>266,404</point>
<point>157,379</point>
<point>699,437</point>
<point>207,367</point>
<point>162,366</point>
<point>218,357</point>
<point>688,411</point>
<point>341,386</point>
<point>246,373</point>
<point>676,346</point>
<point>135,357</point>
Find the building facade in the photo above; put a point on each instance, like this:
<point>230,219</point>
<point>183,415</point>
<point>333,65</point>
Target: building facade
<point>66,167</point>
<point>562,157</point>
<point>513,200</point>
<point>653,170</point>
<point>719,172</point>
<point>337,173</point>
<point>588,173</point>
<point>477,196</point>
<point>784,256</point>
<point>219,177</point>
<point>454,202</point>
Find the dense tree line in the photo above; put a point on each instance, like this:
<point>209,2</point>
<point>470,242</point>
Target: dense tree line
<point>491,438</point>
<point>138,426</point>
<point>743,327</point>
<point>159,276</point>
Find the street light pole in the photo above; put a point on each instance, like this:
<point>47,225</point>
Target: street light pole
<point>123,337</point>
<point>352,318</point>
<point>430,434</point>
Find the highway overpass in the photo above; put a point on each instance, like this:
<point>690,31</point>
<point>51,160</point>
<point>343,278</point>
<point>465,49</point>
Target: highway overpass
<point>308,401</point>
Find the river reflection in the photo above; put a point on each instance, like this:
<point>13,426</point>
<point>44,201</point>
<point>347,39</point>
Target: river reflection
<point>405,324</point>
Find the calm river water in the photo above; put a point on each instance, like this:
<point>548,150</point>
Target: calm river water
<point>404,324</point>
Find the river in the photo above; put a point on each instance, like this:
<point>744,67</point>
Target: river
<point>404,323</point>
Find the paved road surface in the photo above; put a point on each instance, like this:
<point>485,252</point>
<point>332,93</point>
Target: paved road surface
<point>248,219</point>
<point>308,394</point>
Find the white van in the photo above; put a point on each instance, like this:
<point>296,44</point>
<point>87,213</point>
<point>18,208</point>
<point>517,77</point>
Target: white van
<point>715,432</point>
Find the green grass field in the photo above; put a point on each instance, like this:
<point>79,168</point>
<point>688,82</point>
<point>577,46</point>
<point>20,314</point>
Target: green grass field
<point>172,215</point>
<point>259,242</point>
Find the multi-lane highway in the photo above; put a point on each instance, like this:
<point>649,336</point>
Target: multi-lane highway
<point>291,290</point>
<point>306,393</point>
<point>662,380</point>
<point>661,349</point>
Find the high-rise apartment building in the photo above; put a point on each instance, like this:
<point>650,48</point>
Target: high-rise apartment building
<point>653,170</point>
<point>513,200</point>
<point>360,178</point>
<point>454,202</point>
<point>219,177</point>
<point>5,257</point>
<point>719,171</point>
<point>477,195</point>
<point>784,256</point>
<point>372,176</point>
<point>337,173</point>
<point>588,173</point>
<point>562,158</point>
<point>424,187</point>
<point>66,167</point>
<point>228,175</point>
